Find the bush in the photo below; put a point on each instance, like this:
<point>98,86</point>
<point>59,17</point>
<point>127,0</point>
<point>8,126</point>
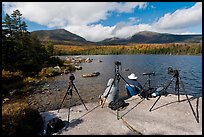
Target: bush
<point>48,72</point>
<point>11,80</point>
<point>54,61</point>
<point>19,119</point>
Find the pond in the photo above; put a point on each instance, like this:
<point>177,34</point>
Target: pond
<point>189,67</point>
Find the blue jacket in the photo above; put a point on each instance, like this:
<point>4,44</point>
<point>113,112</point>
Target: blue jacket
<point>134,85</point>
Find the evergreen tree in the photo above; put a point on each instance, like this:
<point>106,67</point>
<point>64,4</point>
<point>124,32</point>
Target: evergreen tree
<point>21,50</point>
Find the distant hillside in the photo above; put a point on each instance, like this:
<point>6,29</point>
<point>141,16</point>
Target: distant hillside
<point>60,36</point>
<point>154,37</point>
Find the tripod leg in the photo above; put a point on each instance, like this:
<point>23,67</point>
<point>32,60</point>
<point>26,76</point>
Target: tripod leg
<point>64,98</point>
<point>79,96</point>
<point>126,81</point>
<point>189,102</point>
<point>69,110</point>
<point>144,84</point>
<point>177,88</point>
<point>160,95</point>
<point>155,103</point>
<point>197,102</point>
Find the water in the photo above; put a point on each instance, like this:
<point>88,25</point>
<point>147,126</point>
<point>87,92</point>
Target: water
<point>190,70</point>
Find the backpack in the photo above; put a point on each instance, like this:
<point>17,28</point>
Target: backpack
<point>114,105</point>
<point>54,125</point>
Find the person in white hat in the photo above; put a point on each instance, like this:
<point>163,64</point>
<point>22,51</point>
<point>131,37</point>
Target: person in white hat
<point>133,87</point>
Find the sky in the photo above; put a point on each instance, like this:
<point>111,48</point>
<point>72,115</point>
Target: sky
<point>97,21</point>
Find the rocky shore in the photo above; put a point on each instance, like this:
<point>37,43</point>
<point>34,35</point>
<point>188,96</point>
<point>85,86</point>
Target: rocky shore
<point>45,95</point>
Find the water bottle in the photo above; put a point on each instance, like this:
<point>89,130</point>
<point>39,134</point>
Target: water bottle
<point>157,92</point>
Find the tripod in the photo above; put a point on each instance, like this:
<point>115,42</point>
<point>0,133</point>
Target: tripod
<point>116,77</point>
<point>176,76</point>
<point>69,92</point>
<point>150,89</point>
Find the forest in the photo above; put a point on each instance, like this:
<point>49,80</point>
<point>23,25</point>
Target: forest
<point>170,49</point>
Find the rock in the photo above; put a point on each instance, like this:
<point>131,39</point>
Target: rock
<point>88,60</point>
<point>95,74</point>
<point>92,98</point>
<point>13,92</point>
<point>57,69</point>
<point>6,99</point>
<point>66,71</point>
<point>78,67</point>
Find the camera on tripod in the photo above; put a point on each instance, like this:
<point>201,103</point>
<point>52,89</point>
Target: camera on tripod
<point>71,77</point>
<point>117,63</point>
<point>173,72</point>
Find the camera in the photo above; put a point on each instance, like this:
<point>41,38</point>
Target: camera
<point>117,63</point>
<point>71,77</point>
<point>173,72</point>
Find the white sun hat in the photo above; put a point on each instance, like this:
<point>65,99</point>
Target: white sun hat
<point>132,76</point>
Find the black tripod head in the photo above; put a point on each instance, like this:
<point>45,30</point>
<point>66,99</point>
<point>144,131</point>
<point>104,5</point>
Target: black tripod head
<point>117,63</point>
<point>173,72</point>
<point>71,77</point>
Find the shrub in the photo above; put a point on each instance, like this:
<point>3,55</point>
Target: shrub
<point>48,72</point>
<point>11,80</point>
<point>19,119</point>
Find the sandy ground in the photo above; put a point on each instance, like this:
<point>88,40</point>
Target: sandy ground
<point>167,117</point>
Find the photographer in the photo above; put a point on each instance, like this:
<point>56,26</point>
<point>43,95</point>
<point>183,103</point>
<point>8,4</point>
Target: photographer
<point>134,86</point>
<point>113,92</point>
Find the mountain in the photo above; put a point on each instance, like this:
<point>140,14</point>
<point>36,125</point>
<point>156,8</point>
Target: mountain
<point>154,37</point>
<point>113,41</point>
<point>60,36</point>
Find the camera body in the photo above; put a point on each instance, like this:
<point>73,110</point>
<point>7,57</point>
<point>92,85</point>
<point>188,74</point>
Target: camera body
<point>71,77</point>
<point>117,63</point>
<point>173,72</point>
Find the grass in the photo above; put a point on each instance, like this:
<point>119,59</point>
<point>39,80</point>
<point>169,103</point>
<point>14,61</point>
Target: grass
<point>19,119</point>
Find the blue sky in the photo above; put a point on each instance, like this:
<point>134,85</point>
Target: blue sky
<point>97,21</point>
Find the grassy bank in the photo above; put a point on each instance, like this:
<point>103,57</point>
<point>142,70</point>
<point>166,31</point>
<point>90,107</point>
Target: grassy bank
<point>19,119</point>
<point>173,49</point>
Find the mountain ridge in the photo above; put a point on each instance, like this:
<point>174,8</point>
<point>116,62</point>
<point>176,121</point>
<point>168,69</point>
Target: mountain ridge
<point>62,36</point>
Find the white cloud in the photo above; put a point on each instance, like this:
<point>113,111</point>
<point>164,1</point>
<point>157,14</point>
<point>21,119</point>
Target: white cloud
<point>181,18</point>
<point>77,17</point>
<point>61,14</point>
<point>99,32</point>
<point>91,32</point>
